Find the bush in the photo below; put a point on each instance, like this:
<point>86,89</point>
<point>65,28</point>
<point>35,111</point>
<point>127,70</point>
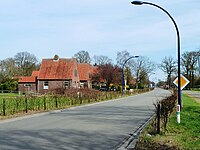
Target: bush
<point>167,106</point>
<point>146,140</point>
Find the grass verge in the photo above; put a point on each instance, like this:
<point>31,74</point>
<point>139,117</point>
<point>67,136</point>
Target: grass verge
<point>12,105</point>
<point>185,135</point>
<point>8,95</point>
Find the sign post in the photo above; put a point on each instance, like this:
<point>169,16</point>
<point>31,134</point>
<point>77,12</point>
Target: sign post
<point>178,114</point>
<point>184,82</point>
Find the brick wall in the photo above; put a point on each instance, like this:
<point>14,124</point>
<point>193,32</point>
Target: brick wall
<point>52,85</point>
<point>27,89</point>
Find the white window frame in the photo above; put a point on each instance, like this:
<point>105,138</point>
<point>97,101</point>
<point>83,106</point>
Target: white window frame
<point>66,84</point>
<point>27,85</point>
<point>81,84</point>
<point>46,85</point>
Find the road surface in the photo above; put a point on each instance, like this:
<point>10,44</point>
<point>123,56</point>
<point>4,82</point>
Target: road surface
<point>101,126</point>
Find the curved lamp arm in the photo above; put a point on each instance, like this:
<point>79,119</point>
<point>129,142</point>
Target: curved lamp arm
<point>178,43</point>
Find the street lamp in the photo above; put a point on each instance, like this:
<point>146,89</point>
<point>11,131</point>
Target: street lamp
<point>178,44</point>
<point>123,71</point>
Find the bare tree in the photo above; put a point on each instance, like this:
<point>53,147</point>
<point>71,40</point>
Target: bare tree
<point>168,66</point>
<point>101,60</point>
<point>8,70</point>
<point>122,57</point>
<point>189,61</point>
<point>142,68</point>
<point>8,67</point>
<point>82,57</point>
<point>198,61</point>
<point>25,62</point>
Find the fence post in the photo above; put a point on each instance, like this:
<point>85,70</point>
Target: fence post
<point>45,107</point>
<point>4,107</point>
<point>56,102</point>
<point>80,100</point>
<point>71,102</point>
<point>26,104</point>
<point>158,118</point>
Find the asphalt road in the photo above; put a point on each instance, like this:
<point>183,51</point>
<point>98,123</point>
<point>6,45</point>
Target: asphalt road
<point>100,126</point>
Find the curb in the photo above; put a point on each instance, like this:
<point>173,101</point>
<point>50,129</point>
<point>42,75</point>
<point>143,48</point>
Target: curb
<point>130,142</point>
<point>24,117</point>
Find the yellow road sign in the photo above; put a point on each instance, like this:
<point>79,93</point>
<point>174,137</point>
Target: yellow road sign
<point>184,81</point>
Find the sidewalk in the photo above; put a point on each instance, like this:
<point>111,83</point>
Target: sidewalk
<point>194,94</point>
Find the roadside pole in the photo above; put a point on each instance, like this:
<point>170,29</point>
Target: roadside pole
<point>184,82</point>
<point>178,115</point>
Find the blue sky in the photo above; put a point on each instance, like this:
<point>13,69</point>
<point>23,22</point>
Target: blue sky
<point>101,27</point>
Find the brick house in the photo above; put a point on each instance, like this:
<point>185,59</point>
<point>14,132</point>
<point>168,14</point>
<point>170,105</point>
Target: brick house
<point>57,73</point>
<point>27,84</point>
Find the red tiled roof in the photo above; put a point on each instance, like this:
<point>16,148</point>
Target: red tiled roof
<point>84,70</point>
<point>57,69</point>
<point>26,79</point>
<point>35,73</point>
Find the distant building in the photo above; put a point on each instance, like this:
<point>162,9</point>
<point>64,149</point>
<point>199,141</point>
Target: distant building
<point>57,73</point>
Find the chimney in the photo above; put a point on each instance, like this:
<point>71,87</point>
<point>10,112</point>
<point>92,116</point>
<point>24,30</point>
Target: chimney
<point>56,58</point>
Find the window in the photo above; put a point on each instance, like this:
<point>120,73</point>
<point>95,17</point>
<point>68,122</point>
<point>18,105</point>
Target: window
<point>46,85</point>
<point>66,84</point>
<point>81,84</point>
<point>27,85</point>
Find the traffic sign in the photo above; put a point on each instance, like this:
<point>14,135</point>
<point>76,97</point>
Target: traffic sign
<point>184,81</point>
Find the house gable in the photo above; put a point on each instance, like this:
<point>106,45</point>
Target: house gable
<point>84,71</point>
<point>57,70</point>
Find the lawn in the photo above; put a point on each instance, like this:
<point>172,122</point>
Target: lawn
<point>8,95</point>
<point>185,135</point>
<point>188,131</point>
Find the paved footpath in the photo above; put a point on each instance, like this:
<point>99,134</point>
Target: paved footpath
<point>101,126</point>
<point>195,94</point>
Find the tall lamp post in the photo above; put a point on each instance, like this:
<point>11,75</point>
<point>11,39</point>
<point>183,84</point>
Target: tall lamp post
<point>123,71</point>
<point>178,44</point>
